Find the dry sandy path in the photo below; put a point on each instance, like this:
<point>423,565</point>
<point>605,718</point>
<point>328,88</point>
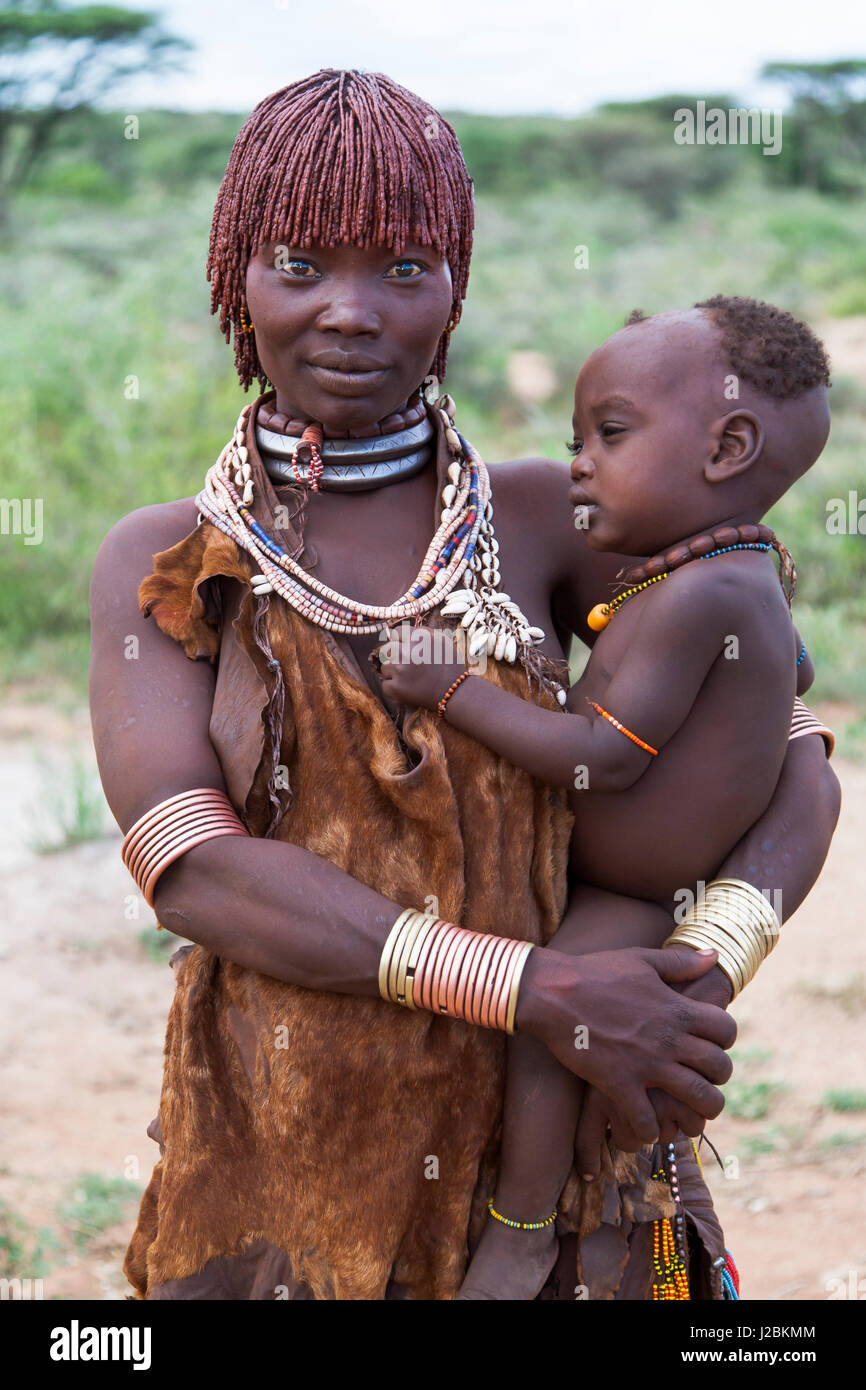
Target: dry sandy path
<point>85,1007</point>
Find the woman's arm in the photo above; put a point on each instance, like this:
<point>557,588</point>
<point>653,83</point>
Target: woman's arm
<point>270,906</point>
<point>288,913</point>
<point>783,852</point>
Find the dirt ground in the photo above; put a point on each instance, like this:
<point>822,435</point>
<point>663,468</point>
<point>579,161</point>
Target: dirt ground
<point>85,1003</point>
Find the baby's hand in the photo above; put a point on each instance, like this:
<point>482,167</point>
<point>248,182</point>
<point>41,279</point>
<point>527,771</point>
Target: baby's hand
<point>418,664</point>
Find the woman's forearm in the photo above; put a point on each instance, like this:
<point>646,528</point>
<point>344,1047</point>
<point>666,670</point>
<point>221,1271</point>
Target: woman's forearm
<point>278,909</point>
<point>783,852</point>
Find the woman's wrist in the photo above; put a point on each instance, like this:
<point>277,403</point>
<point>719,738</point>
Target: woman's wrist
<point>539,978</point>
<point>432,964</point>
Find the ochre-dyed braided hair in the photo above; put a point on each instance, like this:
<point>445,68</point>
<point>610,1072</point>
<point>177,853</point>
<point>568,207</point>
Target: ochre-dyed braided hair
<point>341,156</point>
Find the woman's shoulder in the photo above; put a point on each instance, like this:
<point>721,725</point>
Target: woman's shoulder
<point>158,526</point>
<point>126,553</point>
<point>529,474</point>
<point>532,493</point>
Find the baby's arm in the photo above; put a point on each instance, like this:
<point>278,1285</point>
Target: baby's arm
<point>651,694</point>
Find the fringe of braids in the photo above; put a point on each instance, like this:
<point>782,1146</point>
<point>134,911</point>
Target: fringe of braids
<point>341,156</point>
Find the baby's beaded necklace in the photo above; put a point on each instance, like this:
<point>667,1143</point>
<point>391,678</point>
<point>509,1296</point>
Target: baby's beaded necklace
<point>706,547</point>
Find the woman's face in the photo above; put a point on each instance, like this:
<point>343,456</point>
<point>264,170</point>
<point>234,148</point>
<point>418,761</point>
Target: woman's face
<point>346,334</point>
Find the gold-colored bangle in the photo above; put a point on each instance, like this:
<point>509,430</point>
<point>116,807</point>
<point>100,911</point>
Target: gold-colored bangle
<point>736,920</point>
<point>511,1011</point>
<point>737,937</point>
<point>388,951</point>
<point>761,906</point>
<point>728,962</point>
<point>416,932</point>
<point>744,918</point>
<point>446,957</point>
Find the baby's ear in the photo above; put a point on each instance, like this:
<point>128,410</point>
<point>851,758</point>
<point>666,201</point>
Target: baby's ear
<point>738,440</point>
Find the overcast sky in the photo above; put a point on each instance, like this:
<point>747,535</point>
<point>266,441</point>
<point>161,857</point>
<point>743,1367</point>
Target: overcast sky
<point>555,56</point>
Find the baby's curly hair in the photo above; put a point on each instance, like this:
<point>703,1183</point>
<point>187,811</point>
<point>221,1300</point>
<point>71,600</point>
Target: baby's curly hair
<point>777,354</point>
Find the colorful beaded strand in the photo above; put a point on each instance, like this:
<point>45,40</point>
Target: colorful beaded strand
<point>522,1225</point>
<point>599,617</point>
<point>670,1252</point>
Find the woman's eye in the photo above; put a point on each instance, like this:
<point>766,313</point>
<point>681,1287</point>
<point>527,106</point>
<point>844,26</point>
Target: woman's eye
<point>574,446</point>
<point>299,270</point>
<point>404,270</point>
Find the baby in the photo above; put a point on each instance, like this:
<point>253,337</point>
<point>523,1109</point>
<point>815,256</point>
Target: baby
<point>688,427</point>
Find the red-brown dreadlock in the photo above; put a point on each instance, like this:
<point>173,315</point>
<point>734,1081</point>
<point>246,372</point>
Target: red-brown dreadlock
<point>341,156</point>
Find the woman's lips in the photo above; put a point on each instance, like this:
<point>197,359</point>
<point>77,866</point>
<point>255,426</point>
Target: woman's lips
<point>355,382</point>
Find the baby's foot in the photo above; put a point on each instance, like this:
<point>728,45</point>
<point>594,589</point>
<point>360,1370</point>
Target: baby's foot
<point>510,1264</point>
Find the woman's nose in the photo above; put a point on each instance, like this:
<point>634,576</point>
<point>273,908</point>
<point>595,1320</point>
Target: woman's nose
<point>348,311</point>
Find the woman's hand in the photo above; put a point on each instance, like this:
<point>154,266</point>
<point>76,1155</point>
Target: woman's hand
<point>598,1113</point>
<point>616,1019</point>
<point>418,664</point>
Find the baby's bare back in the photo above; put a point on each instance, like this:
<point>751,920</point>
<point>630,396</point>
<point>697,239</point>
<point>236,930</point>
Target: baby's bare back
<point>712,780</point>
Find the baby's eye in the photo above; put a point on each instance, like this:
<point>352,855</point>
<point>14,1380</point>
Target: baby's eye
<point>574,446</point>
<point>404,270</point>
<point>299,269</point>
<point>611,431</point>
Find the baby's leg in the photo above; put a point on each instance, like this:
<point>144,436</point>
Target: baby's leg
<point>542,1102</point>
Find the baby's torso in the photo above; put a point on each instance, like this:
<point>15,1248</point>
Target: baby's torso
<point>713,779</point>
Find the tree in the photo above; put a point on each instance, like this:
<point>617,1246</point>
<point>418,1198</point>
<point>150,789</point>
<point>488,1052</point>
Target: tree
<point>56,60</point>
<point>827,122</point>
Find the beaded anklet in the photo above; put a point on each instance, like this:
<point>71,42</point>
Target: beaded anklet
<point>522,1225</point>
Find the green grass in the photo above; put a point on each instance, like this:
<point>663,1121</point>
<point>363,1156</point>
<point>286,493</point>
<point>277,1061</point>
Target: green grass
<point>845,1101</point>
<point>841,1141</point>
<point>70,809</point>
<point>750,1100</point>
<point>103,289</point>
<point>23,1252</point>
<point>850,995</point>
<point>157,945</point>
<point>749,1056</point>
<point>754,1145</point>
<point>93,1204</point>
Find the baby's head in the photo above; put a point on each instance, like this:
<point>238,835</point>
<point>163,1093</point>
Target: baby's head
<point>690,419</point>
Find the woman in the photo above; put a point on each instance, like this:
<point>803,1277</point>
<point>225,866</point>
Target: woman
<point>318,1141</point>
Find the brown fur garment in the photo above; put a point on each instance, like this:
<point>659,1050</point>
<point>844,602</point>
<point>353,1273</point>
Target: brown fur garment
<point>325,1147</point>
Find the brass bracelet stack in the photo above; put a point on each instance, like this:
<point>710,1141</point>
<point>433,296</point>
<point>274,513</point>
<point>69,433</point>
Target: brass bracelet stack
<point>168,830</point>
<point>428,963</point>
<point>737,921</point>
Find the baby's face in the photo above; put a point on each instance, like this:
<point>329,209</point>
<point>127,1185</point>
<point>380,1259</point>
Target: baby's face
<point>642,411</point>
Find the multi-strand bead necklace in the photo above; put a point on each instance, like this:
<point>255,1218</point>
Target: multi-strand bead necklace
<point>705,547</point>
<point>460,569</point>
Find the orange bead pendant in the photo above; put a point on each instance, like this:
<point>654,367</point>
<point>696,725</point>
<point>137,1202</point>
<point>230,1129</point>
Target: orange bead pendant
<point>599,617</point>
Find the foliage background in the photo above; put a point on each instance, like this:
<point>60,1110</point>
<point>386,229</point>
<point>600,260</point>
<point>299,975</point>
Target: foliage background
<point>102,276</point>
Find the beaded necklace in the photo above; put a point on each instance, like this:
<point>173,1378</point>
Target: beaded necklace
<point>463,552</point>
<point>706,547</point>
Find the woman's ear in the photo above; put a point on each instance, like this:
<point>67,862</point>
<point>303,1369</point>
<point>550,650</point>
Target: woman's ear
<point>738,443</point>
